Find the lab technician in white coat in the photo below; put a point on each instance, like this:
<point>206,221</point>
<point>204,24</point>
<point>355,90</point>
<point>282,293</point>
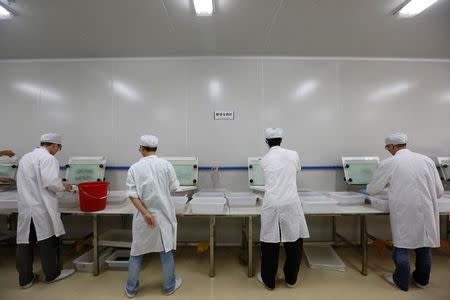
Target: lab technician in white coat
<point>150,182</point>
<point>8,153</point>
<point>413,185</point>
<point>282,217</point>
<point>39,221</point>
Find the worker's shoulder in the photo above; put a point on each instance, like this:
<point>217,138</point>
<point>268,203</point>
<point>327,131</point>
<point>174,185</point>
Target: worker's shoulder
<point>424,157</point>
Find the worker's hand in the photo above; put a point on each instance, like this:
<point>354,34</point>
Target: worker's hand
<point>150,220</point>
<point>364,191</point>
<point>67,187</point>
<point>7,153</point>
<point>6,180</point>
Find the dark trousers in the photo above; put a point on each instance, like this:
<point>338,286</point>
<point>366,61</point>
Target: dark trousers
<point>49,254</point>
<point>421,275</point>
<point>269,261</point>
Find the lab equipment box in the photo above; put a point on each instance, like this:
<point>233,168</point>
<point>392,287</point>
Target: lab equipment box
<point>85,169</point>
<point>359,170</point>
<point>8,168</point>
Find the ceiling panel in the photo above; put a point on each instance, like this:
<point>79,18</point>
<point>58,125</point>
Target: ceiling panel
<point>130,28</point>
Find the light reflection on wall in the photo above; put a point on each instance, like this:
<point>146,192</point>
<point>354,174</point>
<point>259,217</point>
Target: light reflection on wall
<point>125,90</point>
<point>389,92</point>
<point>36,90</point>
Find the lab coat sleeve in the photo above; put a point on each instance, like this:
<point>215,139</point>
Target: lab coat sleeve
<point>131,184</point>
<point>381,178</point>
<point>299,165</point>
<point>173,180</point>
<point>49,169</point>
<point>438,183</point>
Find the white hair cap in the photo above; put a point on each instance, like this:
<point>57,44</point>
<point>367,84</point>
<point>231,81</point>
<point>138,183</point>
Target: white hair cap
<point>149,141</point>
<point>396,139</point>
<point>273,133</point>
<point>53,138</point>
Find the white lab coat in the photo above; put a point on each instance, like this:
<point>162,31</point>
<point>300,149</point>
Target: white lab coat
<point>282,216</point>
<point>151,180</point>
<point>38,182</point>
<point>413,185</point>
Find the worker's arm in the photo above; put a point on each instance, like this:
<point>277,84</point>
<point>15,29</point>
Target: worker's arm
<point>149,218</point>
<point>49,168</point>
<point>299,165</point>
<point>438,183</point>
<point>7,153</point>
<point>174,184</point>
<point>381,178</point>
<point>134,197</point>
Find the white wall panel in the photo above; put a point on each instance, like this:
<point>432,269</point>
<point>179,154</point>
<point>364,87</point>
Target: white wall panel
<point>327,107</point>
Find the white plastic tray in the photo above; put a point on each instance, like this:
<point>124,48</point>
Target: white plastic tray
<point>85,263</point>
<point>180,203</point>
<point>222,191</point>
<point>208,205</point>
<point>323,258</point>
<point>68,199</point>
<point>348,198</point>
<point>317,204</point>
<point>379,203</point>
<point>118,265</point>
<point>241,199</point>
<point>444,204</point>
<point>116,197</point>
<point>8,204</point>
<point>208,194</point>
<point>309,194</point>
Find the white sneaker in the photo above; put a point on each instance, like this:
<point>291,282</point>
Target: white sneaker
<point>178,284</point>
<point>27,286</point>
<point>420,286</point>
<point>64,274</point>
<point>389,277</point>
<point>291,286</point>
<point>260,280</point>
<point>129,295</point>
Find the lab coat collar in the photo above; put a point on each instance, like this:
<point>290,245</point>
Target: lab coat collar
<point>275,148</point>
<point>42,148</point>
<point>149,157</point>
<point>402,151</point>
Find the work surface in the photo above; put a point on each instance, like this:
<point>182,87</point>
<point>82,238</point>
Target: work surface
<point>127,208</point>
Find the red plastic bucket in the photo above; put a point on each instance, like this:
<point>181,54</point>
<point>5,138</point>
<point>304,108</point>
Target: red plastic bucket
<point>93,195</point>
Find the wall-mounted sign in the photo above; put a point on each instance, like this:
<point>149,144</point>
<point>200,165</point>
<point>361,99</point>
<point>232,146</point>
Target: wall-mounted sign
<point>223,115</point>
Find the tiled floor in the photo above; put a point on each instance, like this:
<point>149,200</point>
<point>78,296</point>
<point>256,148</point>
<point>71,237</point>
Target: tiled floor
<point>231,281</point>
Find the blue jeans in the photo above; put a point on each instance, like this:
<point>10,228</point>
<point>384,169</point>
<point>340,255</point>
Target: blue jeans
<point>402,269</point>
<point>168,269</point>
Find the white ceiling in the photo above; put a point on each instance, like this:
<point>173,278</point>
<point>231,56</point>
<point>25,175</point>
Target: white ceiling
<point>129,28</point>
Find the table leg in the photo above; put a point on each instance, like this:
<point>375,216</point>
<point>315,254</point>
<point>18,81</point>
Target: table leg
<point>250,246</point>
<point>95,244</point>
<point>364,245</point>
<point>212,244</point>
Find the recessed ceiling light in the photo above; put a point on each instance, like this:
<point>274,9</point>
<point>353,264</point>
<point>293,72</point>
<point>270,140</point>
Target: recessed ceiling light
<point>5,11</point>
<point>204,7</point>
<point>412,8</point>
